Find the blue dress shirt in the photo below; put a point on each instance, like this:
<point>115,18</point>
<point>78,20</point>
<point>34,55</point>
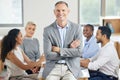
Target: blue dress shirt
<point>62,32</point>
<point>90,48</point>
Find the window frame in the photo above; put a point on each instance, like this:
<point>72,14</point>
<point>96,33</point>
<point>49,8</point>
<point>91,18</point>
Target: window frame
<point>102,13</point>
<point>16,24</point>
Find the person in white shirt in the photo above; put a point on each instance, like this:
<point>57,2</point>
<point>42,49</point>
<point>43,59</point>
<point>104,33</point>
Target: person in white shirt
<point>105,64</point>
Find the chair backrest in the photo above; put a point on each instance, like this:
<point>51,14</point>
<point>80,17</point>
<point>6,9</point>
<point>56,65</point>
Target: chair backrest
<point>119,50</point>
<point>117,46</point>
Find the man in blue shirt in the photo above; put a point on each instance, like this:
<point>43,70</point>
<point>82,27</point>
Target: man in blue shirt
<point>90,44</point>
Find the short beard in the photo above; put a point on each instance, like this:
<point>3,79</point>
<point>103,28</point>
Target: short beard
<point>99,41</point>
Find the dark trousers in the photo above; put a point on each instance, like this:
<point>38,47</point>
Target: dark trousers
<point>96,75</point>
<point>29,71</point>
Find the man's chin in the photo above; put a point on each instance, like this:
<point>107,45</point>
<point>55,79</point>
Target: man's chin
<point>98,41</point>
<point>61,19</point>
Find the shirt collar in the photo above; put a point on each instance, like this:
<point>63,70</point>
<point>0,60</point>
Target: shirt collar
<point>67,26</point>
<point>91,39</point>
<point>107,44</point>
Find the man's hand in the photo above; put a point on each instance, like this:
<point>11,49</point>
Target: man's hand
<point>75,44</point>
<point>84,63</point>
<point>55,49</point>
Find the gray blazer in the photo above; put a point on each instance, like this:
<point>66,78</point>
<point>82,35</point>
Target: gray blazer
<point>51,37</point>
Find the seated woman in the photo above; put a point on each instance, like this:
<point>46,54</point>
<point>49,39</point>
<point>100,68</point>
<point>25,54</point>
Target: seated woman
<point>30,45</point>
<point>90,44</point>
<point>15,59</point>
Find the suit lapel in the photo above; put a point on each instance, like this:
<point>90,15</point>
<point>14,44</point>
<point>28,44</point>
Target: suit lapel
<point>67,35</point>
<point>57,34</point>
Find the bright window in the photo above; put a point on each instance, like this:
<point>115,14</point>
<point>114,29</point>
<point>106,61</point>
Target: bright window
<point>89,11</point>
<point>11,13</point>
<point>112,7</point>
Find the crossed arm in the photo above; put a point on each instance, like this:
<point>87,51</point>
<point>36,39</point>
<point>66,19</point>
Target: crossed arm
<point>74,44</point>
<point>52,48</point>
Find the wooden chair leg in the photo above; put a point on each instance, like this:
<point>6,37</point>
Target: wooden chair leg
<point>83,79</point>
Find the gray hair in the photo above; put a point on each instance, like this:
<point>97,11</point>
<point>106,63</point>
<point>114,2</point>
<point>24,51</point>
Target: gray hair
<point>30,23</point>
<point>61,2</point>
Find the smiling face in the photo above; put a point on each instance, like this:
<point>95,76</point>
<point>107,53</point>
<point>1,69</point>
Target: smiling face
<point>87,32</point>
<point>99,36</point>
<point>30,30</point>
<point>61,12</point>
<point>19,38</point>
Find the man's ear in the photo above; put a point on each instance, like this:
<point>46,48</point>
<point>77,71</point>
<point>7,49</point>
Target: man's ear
<point>105,36</point>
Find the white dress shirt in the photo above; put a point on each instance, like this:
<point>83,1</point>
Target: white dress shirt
<point>106,60</point>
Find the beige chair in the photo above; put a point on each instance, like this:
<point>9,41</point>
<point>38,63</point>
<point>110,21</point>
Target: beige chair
<point>41,79</point>
<point>78,79</point>
<point>117,46</point>
<point>119,50</point>
<point>83,79</point>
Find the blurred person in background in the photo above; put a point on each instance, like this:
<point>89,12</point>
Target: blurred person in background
<point>31,45</point>
<point>90,44</point>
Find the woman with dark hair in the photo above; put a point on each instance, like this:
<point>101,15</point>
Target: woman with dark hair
<point>15,59</point>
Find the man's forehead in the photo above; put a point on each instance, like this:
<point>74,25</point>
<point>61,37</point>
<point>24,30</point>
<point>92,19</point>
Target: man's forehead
<point>98,31</point>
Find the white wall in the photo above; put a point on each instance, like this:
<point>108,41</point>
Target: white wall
<point>41,12</point>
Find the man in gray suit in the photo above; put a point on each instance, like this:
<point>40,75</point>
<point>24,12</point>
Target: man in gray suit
<point>62,46</point>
